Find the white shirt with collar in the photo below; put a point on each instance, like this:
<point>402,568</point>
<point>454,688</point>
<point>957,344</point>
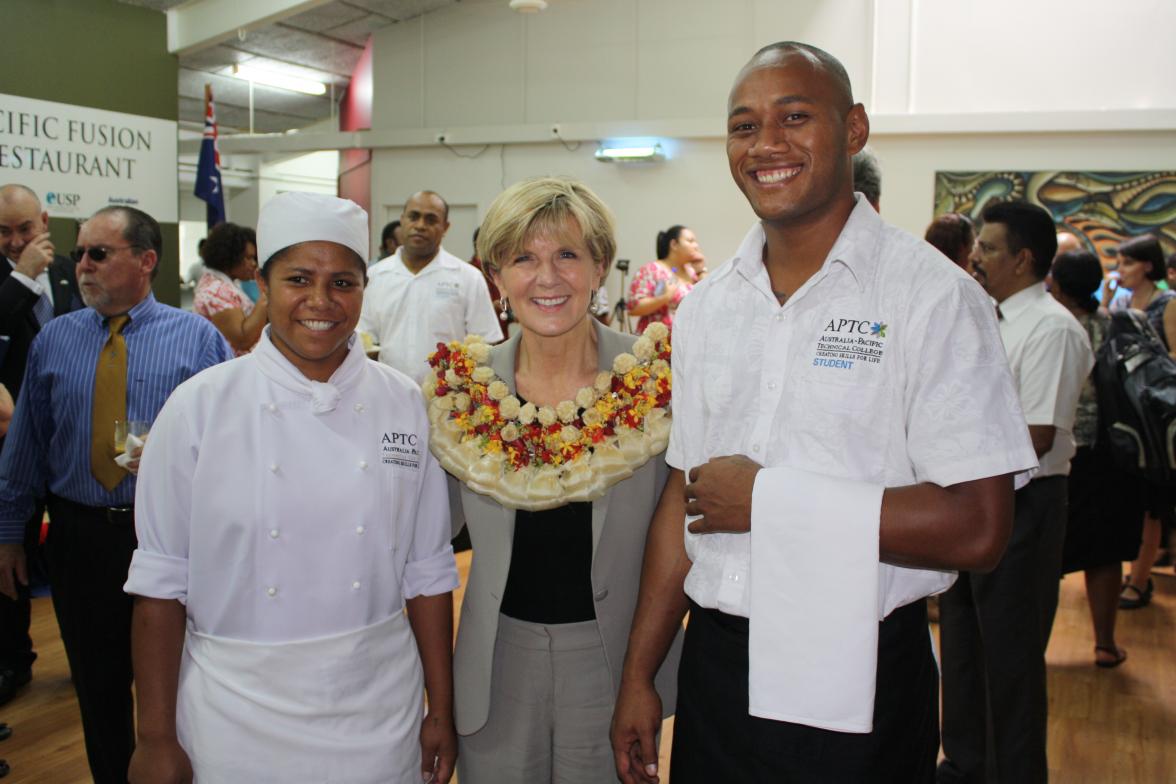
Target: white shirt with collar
<point>885,369</point>
<point>410,314</point>
<point>1050,357</point>
<point>39,285</point>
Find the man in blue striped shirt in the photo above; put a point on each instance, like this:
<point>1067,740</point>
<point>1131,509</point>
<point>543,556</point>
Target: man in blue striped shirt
<point>48,453</point>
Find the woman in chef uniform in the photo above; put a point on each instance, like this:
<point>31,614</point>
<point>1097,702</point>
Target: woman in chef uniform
<point>288,512</point>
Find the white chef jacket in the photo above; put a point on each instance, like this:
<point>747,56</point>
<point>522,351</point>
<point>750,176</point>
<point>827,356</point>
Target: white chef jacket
<point>280,509</point>
<point>410,314</point>
<point>884,369</point>
<point>1050,356</point>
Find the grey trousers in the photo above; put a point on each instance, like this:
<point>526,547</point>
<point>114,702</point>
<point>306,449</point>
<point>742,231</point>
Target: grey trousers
<point>551,702</point>
<point>994,629</point>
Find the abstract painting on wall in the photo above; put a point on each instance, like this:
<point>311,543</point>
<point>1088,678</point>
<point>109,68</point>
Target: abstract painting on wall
<point>1101,208</point>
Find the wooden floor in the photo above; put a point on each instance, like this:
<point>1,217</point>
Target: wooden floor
<point>1105,725</point>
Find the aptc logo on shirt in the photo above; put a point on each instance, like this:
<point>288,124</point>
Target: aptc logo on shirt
<point>845,342</point>
<point>447,289</point>
<point>401,449</point>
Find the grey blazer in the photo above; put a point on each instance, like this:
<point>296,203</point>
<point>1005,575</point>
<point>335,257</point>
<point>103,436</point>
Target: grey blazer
<point>620,521</point>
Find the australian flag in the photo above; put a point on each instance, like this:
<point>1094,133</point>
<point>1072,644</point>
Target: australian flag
<point>208,175</point>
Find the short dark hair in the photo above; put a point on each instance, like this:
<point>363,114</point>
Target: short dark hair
<point>1078,274</point>
<point>951,234</point>
<point>1145,248</point>
<point>141,231</point>
<point>1172,262</point>
<point>225,245</point>
<point>1028,227</point>
<point>867,175</point>
<point>389,230</point>
<point>664,238</point>
<point>827,61</point>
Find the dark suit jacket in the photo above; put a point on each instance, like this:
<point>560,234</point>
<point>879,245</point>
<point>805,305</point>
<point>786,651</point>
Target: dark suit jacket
<point>18,325</point>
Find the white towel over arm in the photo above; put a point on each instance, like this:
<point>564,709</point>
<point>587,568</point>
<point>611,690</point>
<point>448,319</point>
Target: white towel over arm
<point>813,640</point>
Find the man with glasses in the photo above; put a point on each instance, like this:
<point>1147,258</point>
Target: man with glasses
<point>118,359</point>
<point>35,286</point>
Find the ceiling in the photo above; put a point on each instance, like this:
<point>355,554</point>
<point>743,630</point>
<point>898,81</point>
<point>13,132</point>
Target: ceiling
<point>323,44</point>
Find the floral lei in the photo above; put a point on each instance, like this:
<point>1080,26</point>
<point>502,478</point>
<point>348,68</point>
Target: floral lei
<point>533,458</point>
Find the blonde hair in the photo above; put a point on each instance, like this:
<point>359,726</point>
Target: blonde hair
<point>546,204</point>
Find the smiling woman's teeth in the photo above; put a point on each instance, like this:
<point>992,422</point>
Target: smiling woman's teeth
<point>318,326</point>
<point>550,302</point>
<point>776,175</point>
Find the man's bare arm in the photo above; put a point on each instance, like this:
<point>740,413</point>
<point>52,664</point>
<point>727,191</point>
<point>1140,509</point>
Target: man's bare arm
<point>965,526</point>
<point>661,606</point>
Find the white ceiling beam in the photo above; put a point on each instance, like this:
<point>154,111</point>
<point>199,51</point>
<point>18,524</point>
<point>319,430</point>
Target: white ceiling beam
<point>1125,120</point>
<point>204,23</point>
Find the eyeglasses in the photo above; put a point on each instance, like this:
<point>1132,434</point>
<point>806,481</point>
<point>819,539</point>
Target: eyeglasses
<point>96,252</point>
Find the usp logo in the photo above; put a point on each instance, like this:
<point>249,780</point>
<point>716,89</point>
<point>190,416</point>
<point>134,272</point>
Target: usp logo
<point>64,201</point>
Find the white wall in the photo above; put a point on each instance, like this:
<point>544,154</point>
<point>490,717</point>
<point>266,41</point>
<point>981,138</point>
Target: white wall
<point>926,69</point>
<point>478,63</point>
<point>692,187</point>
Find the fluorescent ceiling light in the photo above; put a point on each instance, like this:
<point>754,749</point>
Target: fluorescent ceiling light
<point>528,6</point>
<point>616,151</point>
<point>280,80</point>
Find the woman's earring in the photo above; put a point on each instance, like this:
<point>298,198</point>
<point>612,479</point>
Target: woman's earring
<point>505,314</point>
<point>593,300</point>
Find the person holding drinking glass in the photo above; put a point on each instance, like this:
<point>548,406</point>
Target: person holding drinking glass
<point>117,359</point>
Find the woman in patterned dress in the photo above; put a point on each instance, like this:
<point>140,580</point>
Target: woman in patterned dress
<point>230,255</point>
<point>660,285</point>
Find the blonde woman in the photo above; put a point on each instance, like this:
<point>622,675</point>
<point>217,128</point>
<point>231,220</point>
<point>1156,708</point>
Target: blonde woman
<point>557,436</point>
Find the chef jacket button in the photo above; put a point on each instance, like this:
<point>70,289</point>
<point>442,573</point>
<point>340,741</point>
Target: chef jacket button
<point>780,316</point>
<point>355,585</point>
<point>733,578</point>
<point>755,448</point>
<point>271,591</point>
<point>600,595</point>
<point>272,408</point>
<point>359,406</point>
<point>273,468</point>
<point>771,385</point>
<point>359,529</point>
<point>363,464</point>
<point>273,533</point>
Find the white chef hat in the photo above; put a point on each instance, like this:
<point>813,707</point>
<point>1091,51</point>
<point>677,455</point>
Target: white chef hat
<point>290,218</point>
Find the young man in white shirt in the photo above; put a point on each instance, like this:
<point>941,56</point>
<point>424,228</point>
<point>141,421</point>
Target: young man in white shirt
<point>994,627</point>
<point>292,521</point>
<point>849,430</point>
<point>423,295</point>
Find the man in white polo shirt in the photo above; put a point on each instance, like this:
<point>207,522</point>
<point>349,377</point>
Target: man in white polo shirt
<point>423,295</point>
<point>846,421</point>
<point>995,627</point>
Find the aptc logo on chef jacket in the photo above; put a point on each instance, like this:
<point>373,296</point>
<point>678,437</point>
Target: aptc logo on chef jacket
<point>846,342</point>
<point>401,449</point>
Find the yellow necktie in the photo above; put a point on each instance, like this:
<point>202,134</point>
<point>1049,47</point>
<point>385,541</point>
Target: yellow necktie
<point>110,403</point>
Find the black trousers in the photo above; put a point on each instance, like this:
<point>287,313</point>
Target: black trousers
<point>994,629</point>
<point>716,740</point>
<point>89,552</point>
<point>16,647</point>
